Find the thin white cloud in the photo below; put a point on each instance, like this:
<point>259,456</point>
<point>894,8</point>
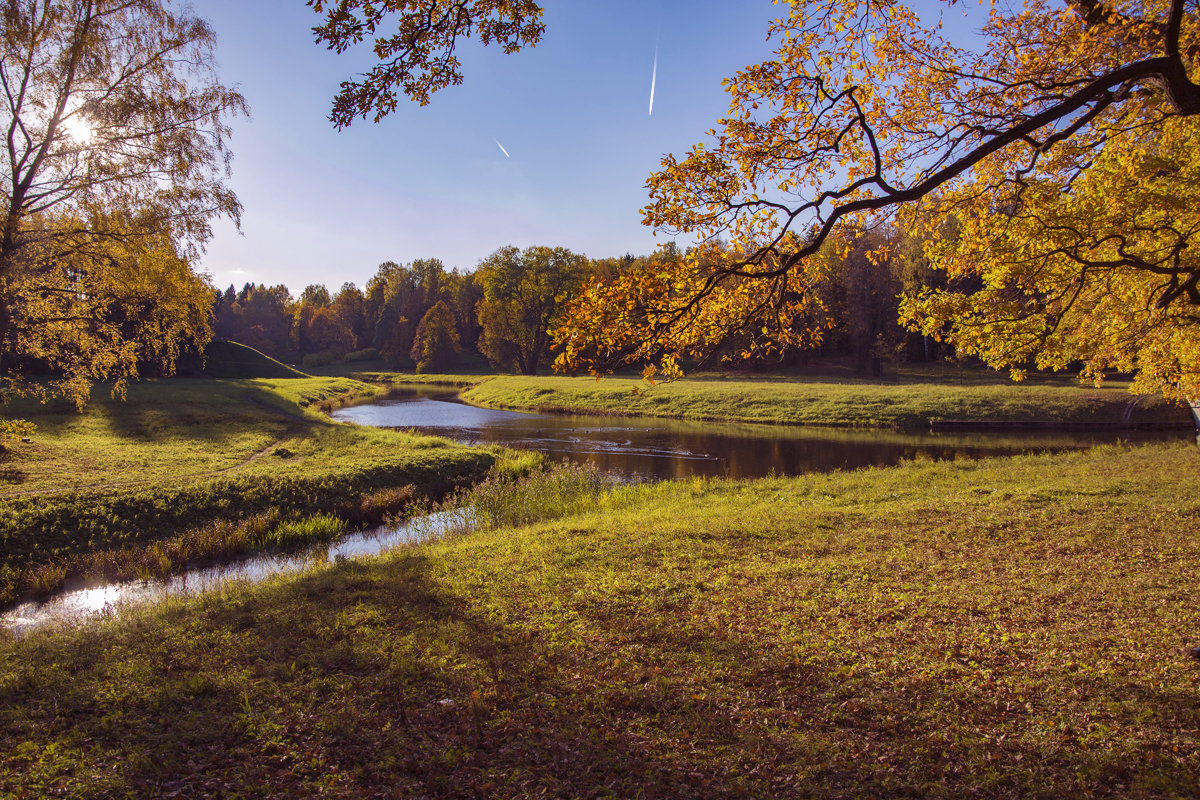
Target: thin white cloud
<point>653,77</point>
<point>502,150</point>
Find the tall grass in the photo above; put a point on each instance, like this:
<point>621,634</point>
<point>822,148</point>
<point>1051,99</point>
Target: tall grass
<point>512,498</point>
<point>120,545</point>
<point>45,569</point>
<point>320,527</point>
<point>560,491</point>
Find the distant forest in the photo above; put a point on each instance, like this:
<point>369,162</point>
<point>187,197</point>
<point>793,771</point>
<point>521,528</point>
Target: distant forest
<point>422,316</point>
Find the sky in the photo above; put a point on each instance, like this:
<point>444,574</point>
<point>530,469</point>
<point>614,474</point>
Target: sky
<point>327,206</point>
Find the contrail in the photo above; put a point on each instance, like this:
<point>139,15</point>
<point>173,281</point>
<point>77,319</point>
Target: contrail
<point>653,77</point>
<point>502,150</point>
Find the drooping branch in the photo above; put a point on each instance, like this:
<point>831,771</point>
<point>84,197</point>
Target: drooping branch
<point>419,58</point>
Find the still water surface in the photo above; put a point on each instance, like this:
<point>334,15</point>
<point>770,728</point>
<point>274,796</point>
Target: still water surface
<point>665,449</point>
<point>636,448</point>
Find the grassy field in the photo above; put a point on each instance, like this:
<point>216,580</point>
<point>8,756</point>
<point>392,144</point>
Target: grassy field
<point>179,431</point>
<point>1006,628</point>
<point>181,464</point>
<point>905,402</point>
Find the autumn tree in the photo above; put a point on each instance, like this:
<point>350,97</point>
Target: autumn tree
<point>524,291</point>
<point>260,317</point>
<point>397,297</point>
<point>435,345</point>
<point>1061,143</point>
<point>349,306</point>
<point>114,131</point>
<point>318,327</point>
<point>1060,136</point>
<point>89,314</point>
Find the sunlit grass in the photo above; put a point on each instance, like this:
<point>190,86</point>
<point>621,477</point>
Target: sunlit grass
<point>319,527</point>
<point>1001,628</point>
<point>820,401</point>
<point>177,431</point>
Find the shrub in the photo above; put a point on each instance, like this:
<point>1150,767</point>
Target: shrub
<point>321,359</point>
<point>367,354</point>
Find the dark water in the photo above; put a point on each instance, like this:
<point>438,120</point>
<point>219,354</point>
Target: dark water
<point>664,449</point>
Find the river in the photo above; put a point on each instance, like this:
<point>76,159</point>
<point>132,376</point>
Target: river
<point>663,449</point>
<point>637,448</point>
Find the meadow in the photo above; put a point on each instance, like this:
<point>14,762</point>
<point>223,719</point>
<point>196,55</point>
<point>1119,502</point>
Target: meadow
<point>1003,628</point>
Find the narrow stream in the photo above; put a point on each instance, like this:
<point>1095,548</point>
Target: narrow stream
<point>76,604</point>
<point>641,448</point>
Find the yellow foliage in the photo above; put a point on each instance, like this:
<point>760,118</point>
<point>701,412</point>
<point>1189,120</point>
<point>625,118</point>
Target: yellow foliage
<point>1060,138</point>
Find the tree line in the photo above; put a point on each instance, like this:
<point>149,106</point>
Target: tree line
<point>517,308</point>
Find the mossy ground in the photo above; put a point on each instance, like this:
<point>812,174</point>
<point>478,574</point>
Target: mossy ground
<point>1002,628</point>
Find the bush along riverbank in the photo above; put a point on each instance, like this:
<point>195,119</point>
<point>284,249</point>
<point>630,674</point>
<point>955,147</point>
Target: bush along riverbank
<point>1005,628</point>
<point>821,401</point>
<point>187,471</point>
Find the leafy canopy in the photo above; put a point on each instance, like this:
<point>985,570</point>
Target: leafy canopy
<point>115,157</point>
<point>435,344</point>
<point>418,58</point>
<point>524,292</point>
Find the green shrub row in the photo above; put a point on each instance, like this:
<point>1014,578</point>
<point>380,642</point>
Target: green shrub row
<point>367,354</point>
<point>321,359</point>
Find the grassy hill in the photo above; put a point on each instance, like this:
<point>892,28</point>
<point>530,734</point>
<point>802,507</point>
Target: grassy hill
<point>223,359</point>
<point>179,468</point>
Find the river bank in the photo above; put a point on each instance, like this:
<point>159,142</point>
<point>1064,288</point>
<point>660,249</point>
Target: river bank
<point>1003,628</point>
<point>193,470</point>
<point>911,402</point>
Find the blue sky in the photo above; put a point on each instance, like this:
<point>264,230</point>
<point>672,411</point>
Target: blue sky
<point>323,206</point>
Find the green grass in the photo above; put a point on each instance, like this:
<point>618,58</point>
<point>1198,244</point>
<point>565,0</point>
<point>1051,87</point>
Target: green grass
<point>1001,628</point>
<point>173,432</point>
<point>902,403</point>
<point>173,473</point>
<point>320,527</point>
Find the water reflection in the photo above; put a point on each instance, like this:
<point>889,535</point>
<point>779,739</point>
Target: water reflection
<point>72,606</point>
<point>664,449</point>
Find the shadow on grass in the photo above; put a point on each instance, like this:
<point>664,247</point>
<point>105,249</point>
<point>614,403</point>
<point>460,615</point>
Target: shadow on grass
<point>201,411</point>
<point>372,679</point>
<point>181,410</point>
